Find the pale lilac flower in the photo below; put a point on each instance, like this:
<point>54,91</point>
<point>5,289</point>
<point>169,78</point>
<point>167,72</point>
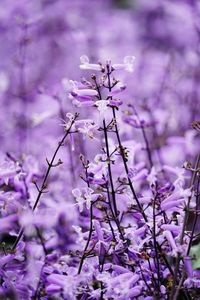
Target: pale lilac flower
<point>132,172</point>
<point>120,87</point>
<point>191,283</point>
<point>172,205</point>
<point>145,199</point>
<point>163,289</point>
<point>185,193</point>
<point>86,65</point>
<point>8,223</point>
<point>88,196</point>
<point>81,93</point>
<point>132,292</point>
<point>171,227</point>
<point>85,103</point>
<point>53,288</point>
<point>98,230</point>
<point>180,173</point>
<point>171,241</point>
<point>84,197</point>
<point>4,82</point>
<point>116,252</point>
<point>128,64</point>
<point>102,106</point>
<point>152,177</point>
<point>8,170</point>
<point>57,279</point>
<point>118,269</point>
<point>188,266</point>
<point>142,174</point>
<point>95,294</point>
<point>87,127</point>
<point>115,102</point>
<point>80,234</point>
<point>79,199</point>
<point>189,142</point>
<point>39,118</point>
<point>98,169</point>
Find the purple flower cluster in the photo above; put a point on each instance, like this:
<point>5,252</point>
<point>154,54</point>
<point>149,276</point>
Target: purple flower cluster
<point>100,176</point>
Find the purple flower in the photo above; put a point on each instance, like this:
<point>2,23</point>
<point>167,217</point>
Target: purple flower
<point>128,64</point>
<point>86,65</point>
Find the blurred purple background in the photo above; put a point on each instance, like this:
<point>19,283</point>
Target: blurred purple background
<point>42,40</point>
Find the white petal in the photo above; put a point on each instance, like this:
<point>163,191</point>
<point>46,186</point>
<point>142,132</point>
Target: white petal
<point>129,60</point>
<point>84,59</point>
<point>76,193</point>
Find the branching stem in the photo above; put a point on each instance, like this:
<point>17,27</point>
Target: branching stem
<point>41,190</point>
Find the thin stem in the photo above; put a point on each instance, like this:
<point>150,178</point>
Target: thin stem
<point>108,155</point>
<point>155,242</point>
<point>124,159</point>
<point>69,148</point>
<point>41,240</point>
<point>130,182</point>
<point>44,183</point>
<point>174,294</point>
<point>114,217</point>
<point>122,150</point>
<point>145,138</point>
<point>109,222</point>
<point>189,246</point>
<point>143,277</point>
<point>195,220</point>
<point>152,274</point>
<point>91,226</point>
<point>126,168</point>
<point>109,169</point>
<point>84,255</point>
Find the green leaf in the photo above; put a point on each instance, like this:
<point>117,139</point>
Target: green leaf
<point>195,255</point>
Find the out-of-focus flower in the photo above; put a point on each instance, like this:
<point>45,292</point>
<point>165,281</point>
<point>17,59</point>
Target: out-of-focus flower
<point>128,64</point>
<point>9,170</point>
<point>180,173</point>
<point>171,241</point>
<point>86,65</point>
<point>102,106</point>
<point>120,87</point>
<point>4,82</point>
<point>8,223</point>
<point>79,199</point>
<point>152,177</point>
<point>79,92</point>
<point>86,127</point>
<point>84,196</point>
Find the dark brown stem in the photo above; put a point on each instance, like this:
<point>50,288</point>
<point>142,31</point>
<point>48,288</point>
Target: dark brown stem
<point>175,292</point>
<point>109,169</point>
<point>126,167</point>
<point>155,243</point>
<point>130,182</point>
<point>195,218</point>
<point>41,190</point>
<point>84,255</point>
<point>108,156</point>
<point>145,138</point>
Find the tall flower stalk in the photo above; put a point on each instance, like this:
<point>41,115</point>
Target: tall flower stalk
<point>51,164</point>
<point>157,214</point>
<point>131,226</point>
